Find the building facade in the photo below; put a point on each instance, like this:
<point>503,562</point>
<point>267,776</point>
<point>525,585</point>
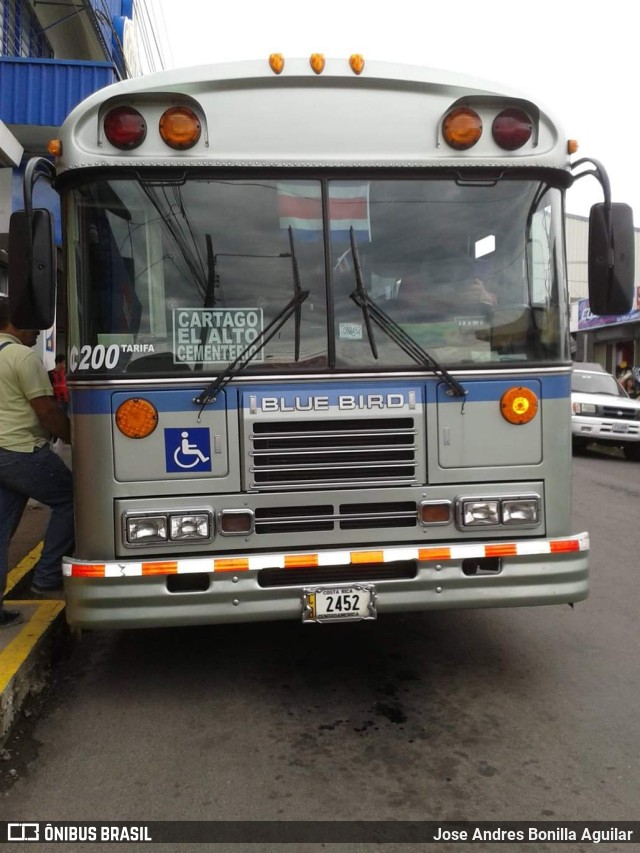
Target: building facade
<point>52,56</point>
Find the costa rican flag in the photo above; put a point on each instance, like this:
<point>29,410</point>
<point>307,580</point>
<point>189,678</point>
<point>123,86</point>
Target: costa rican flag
<point>300,207</point>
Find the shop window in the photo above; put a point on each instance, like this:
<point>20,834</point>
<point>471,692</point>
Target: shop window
<point>21,33</point>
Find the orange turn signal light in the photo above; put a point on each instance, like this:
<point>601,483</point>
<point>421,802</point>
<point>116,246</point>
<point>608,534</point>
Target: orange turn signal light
<point>462,128</point>
<point>136,418</point>
<point>236,522</point>
<point>434,512</point>
<point>519,405</point>
<point>180,127</point>
<point>572,146</point>
<point>55,147</point>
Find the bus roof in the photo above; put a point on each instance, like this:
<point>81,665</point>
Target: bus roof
<point>388,115</point>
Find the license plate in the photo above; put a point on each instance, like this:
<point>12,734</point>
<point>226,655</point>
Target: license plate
<point>339,603</point>
<point>620,427</point>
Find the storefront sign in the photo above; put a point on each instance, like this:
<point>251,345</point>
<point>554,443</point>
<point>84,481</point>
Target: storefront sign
<point>587,320</point>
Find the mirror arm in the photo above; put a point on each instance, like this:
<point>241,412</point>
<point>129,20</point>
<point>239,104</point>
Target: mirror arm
<point>600,174</point>
<point>37,167</point>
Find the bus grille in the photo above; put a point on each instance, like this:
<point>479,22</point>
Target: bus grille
<point>332,453</point>
<point>356,516</point>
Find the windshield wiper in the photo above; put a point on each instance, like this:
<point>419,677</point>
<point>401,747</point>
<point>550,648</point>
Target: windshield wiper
<point>250,352</point>
<point>406,342</point>
<point>297,292</point>
<point>293,307</point>
<point>361,292</point>
<point>372,311</point>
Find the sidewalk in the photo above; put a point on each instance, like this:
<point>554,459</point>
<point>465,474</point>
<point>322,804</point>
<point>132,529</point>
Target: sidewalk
<point>25,649</point>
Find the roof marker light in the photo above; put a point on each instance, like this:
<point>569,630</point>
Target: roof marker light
<point>512,129</point>
<point>462,128</point>
<point>125,128</point>
<point>276,62</point>
<point>317,62</point>
<point>356,63</point>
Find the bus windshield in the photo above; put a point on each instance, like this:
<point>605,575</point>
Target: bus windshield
<point>175,275</point>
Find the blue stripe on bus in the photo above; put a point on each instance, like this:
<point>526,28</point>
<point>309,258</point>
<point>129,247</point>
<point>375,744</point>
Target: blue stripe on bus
<point>101,401</point>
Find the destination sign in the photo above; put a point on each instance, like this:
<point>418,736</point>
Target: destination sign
<point>215,334</point>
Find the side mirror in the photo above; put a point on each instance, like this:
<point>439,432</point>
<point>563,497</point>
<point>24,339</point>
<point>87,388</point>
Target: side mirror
<point>32,270</point>
<point>611,260</point>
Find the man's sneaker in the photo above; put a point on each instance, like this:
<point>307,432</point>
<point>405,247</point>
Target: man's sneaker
<point>9,618</point>
<point>47,591</point>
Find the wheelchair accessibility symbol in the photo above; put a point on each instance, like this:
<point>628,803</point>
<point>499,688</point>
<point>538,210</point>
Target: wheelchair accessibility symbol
<point>187,449</point>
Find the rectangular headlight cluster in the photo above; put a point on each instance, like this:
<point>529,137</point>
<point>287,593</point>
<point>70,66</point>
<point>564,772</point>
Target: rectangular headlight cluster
<point>494,512</point>
<point>172,527</point>
<point>584,408</point>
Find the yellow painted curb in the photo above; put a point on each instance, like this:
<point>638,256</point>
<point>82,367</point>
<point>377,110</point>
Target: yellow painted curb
<point>25,565</point>
<point>14,655</point>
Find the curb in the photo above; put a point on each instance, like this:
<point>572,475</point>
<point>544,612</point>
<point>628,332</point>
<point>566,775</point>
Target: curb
<point>18,580</point>
<point>26,650</point>
<point>24,662</point>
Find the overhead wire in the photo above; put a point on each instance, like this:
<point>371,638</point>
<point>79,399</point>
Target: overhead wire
<point>148,44</point>
<point>149,31</point>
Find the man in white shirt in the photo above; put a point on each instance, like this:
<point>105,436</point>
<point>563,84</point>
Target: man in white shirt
<point>29,416</point>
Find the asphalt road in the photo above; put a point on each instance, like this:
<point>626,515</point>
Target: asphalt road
<point>527,714</point>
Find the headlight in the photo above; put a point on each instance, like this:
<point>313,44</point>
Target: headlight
<point>584,409</point>
<point>480,513</point>
<point>147,528</point>
<point>520,511</point>
<point>174,527</point>
<point>195,526</point>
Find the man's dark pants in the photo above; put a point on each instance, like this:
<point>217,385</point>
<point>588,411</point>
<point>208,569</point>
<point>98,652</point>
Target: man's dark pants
<point>43,476</point>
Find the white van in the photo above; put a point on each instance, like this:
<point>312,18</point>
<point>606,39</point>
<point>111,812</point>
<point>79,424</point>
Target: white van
<point>603,412</point>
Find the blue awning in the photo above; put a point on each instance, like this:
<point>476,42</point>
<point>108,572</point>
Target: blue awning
<point>44,91</point>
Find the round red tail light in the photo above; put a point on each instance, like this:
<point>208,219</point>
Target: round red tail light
<point>124,127</point>
<point>512,129</point>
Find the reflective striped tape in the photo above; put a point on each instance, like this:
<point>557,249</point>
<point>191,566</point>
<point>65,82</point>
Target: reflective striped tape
<point>256,562</point>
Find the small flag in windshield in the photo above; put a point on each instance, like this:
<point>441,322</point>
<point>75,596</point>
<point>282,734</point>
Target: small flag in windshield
<point>300,207</point>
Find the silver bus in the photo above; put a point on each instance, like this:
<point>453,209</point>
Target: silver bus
<point>318,342</point>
